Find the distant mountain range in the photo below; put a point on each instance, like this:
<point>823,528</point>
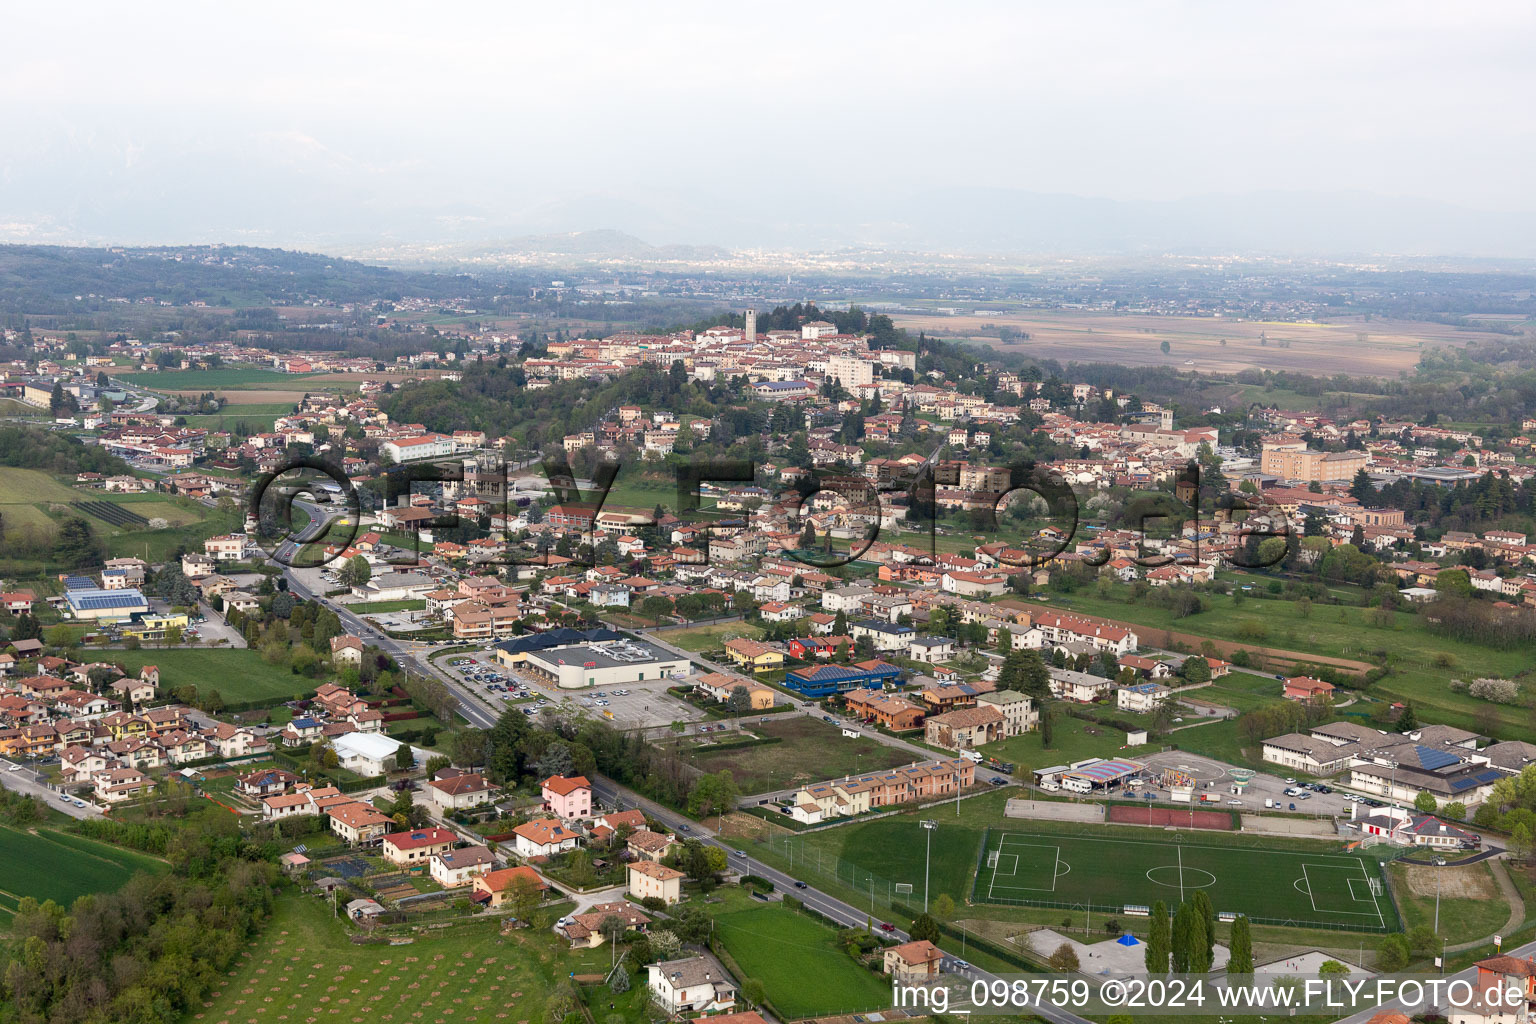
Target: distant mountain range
<point>701,224</point>
<point>1012,222</point>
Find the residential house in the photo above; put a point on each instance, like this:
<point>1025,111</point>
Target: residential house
<point>453,868</point>
<point>585,931</point>
<point>1018,710</point>
<point>569,798</point>
<point>692,985</point>
<point>1305,688</point>
<point>358,824</point>
<point>459,792</point>
<point>965,727</point>
<point>889,710</point>
<point>648,879</point>
<point>913,961</point>
<point>347,650</point>
<point>1142,697</point>
<point>753,655</point>
<point>543,837</point>
<point>266,782</point>
<point>491,887</point>
<point>647,845</point>
<point>114,785</point>
<point>413,850</point>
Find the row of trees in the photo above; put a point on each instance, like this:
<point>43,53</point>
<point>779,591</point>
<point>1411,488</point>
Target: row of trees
<point>1186,943</point>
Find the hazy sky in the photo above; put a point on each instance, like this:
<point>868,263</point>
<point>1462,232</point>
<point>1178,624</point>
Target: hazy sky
<point>172,122</point>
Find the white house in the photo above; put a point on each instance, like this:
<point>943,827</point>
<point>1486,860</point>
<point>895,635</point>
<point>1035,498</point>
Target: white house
<point>544,837</point>
<point>696,984</point>
<point>366,753</point>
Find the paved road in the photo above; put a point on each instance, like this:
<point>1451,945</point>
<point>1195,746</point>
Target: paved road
<point>25,783</point>
<point>409,654</point>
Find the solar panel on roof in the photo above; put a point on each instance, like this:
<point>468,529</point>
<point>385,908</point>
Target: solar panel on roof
<point>79,583</point>
<point>1433,759</point>
<point>106,599</point>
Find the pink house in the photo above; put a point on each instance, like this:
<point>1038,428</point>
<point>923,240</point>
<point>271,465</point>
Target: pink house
<point>568,798</point>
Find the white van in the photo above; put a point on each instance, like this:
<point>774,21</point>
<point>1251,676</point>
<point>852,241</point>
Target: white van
<point>971,755</point>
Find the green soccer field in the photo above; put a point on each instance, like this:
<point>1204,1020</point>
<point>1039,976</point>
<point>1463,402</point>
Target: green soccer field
<point>1269,886</point>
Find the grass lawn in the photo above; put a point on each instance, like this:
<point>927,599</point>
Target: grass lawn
<point>231,377</point>
<point>894,850</point>
<point>304,966</point>
<point>712,637</point>
<point>1407,646</point>
<point>1220,740</point>
<point>51,865</point>
<point>1072,739</point>
<point>26,486</point>
<point>1241,690</point>
<point>810,751</point>
<point>799,962</point>
<point>152,506</point>
<point>238,675</point>
<point>256,417</point>
<point>26,493</point>
<point>378,607</point>
<point>1471,905</point>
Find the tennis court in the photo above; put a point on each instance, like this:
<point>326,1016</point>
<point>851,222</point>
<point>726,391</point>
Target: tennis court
<point>1269,886</point>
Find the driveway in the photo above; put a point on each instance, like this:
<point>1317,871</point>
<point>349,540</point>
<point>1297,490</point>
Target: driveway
<point>23,781</point>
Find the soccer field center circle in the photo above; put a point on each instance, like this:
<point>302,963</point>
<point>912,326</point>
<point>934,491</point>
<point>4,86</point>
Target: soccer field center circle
<point>1183,878</point>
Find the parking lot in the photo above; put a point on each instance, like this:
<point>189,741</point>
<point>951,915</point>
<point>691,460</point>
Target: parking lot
<point>637,705</point>
<point>1212,777</point>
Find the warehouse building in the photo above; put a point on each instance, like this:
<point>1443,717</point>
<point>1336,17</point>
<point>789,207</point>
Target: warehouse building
<point>95,605</point>
<point>616,663</point>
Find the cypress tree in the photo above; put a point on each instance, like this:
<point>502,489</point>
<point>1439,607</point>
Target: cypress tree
<point>1242,948</point>
<point>1206,912</point>
<point>1158,943</point>
<point>1184,938</point>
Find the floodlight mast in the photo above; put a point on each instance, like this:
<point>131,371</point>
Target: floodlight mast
<point>928,827</point>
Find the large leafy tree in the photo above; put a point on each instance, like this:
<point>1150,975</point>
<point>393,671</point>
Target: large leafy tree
<point>1024,671</point>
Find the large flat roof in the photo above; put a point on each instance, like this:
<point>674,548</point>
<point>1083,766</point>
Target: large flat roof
<point>607,655</point>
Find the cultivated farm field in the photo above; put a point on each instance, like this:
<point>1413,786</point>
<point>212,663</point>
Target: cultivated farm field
<point>50,865</point>
<point>304,967</point>
<point>1373,348</point>
<point>199,381</point>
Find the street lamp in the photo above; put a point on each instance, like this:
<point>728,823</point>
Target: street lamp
<point>1439,863</point>
<point>928,827</point>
